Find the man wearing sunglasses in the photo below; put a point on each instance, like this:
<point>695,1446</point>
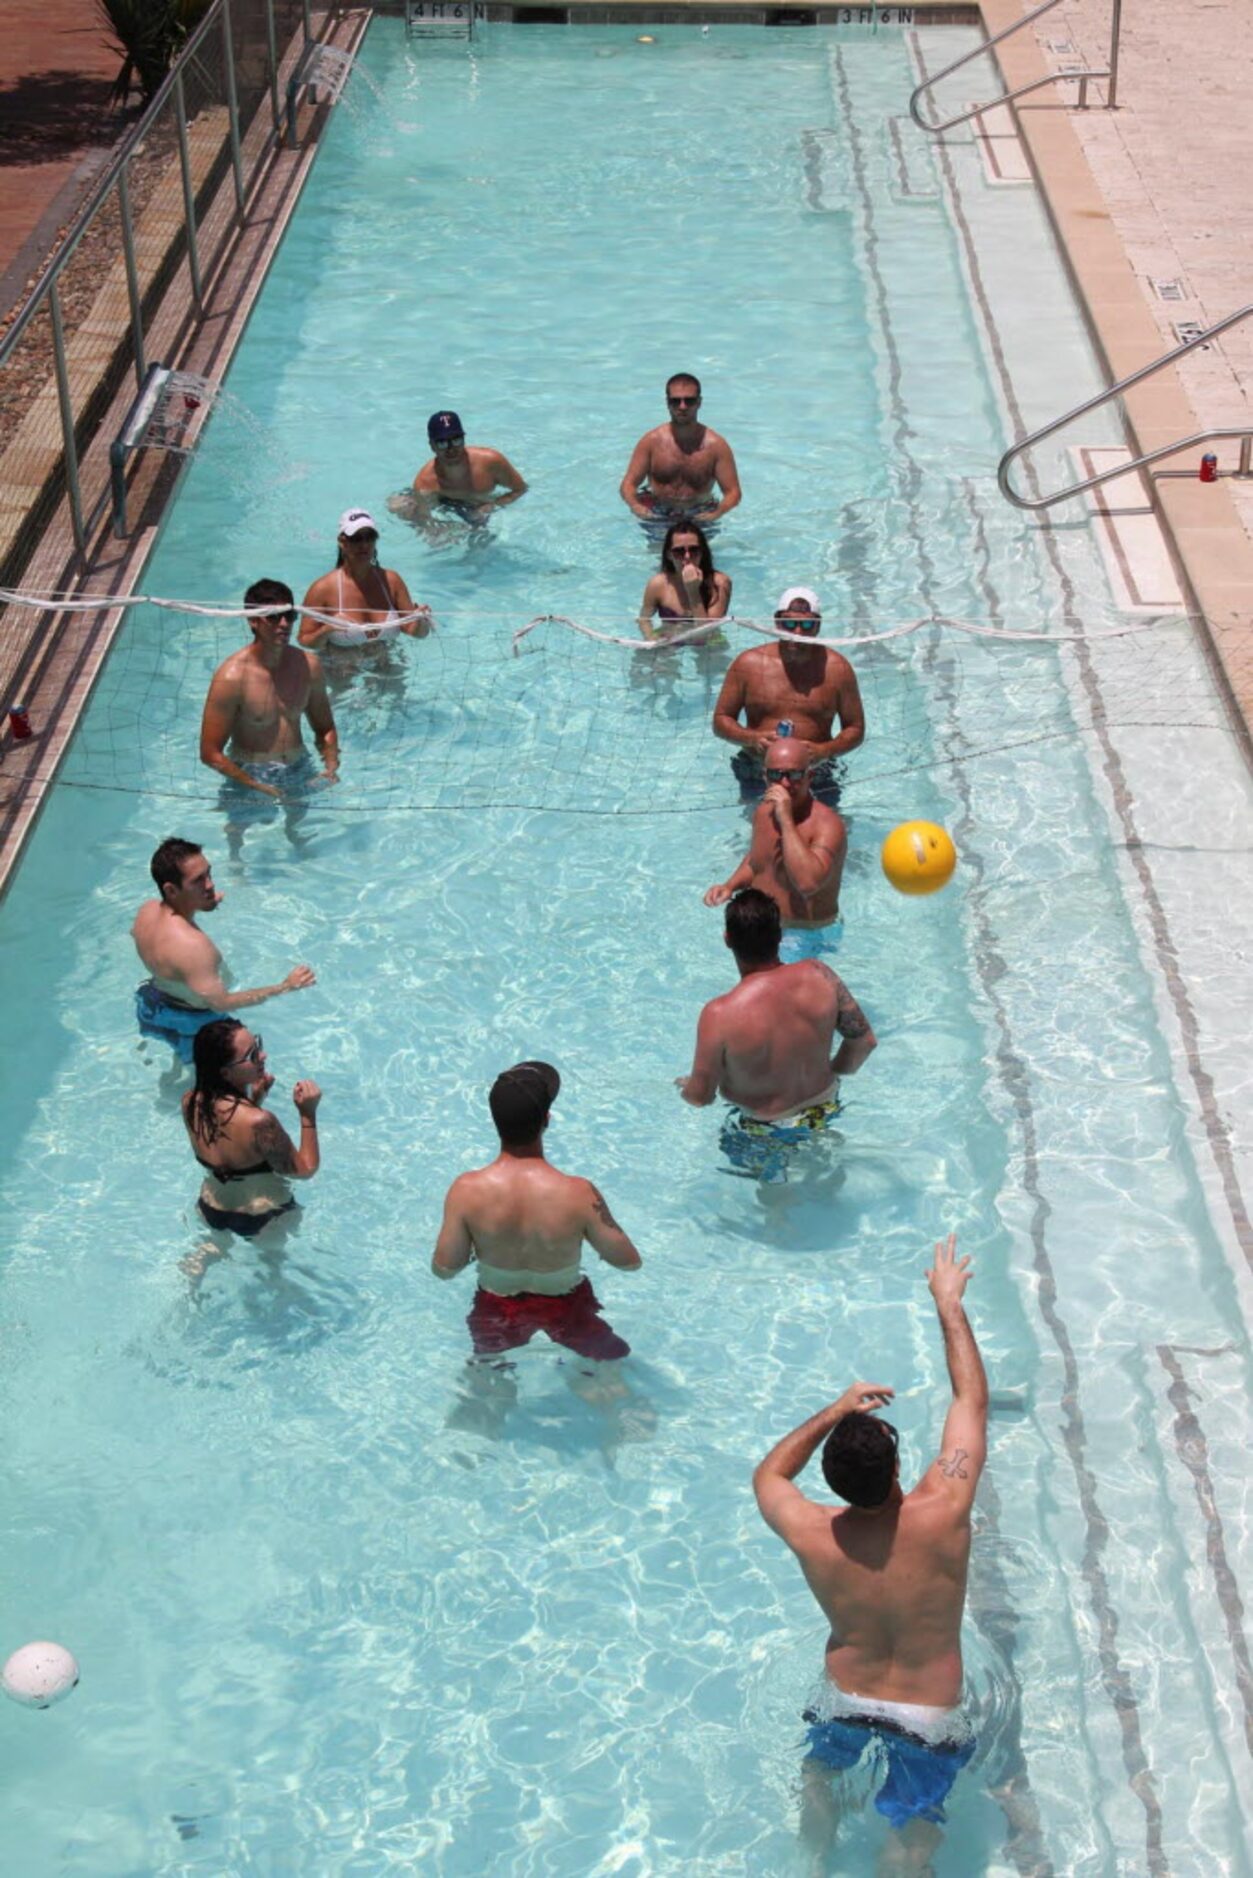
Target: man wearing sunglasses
<point>467,479</point>
<point>792,687</point>
<point>682,471</point>
<point>257,698</point>
<point>798,845</point>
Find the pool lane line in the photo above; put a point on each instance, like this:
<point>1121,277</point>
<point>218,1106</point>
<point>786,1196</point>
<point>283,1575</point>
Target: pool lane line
<point>1193,1451</point>
<point>1012,1067</point>
<point>1216,1130</point>
<point>1016,1797</point>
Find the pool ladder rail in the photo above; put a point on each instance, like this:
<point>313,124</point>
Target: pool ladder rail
<point>1244,464</point>
<point>1083,77</point>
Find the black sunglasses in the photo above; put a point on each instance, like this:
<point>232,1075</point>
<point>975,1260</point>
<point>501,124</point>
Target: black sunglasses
<point>784,775</point>
<point>252,1056</point>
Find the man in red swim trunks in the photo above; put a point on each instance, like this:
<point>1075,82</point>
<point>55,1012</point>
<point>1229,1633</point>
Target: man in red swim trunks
<point>525,1223</point>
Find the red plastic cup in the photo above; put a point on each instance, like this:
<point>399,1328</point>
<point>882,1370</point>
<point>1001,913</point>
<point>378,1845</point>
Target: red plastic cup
<point>19,722</point>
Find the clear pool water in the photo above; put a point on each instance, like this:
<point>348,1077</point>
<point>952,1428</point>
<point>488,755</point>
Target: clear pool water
<point>337,1613</point>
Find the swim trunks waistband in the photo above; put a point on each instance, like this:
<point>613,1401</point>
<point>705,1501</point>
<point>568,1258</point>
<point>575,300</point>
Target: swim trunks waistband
<point>924,1749</point>
<point>498,1323</point>
<point>827,1101</point>
<point>159,1015</point>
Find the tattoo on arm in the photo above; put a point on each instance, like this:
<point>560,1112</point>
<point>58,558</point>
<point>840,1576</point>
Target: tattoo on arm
<point>270,1140</point>
<point>850,1019</point>
<point>600,1206</point>
<point>954,1469</point>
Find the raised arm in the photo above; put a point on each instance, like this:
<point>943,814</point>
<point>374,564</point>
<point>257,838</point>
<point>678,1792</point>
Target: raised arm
<point>321,721</point>
<point>701,1086</point>
<point>965,1444</point>
<point>216,728</point>
<point>782,1504</point>
<point>273,1143</point>
<point>636,471</point>
<point>454,1247</point>
<point>604,1235</point>
<point>728,480</point>
<point>808,865</point>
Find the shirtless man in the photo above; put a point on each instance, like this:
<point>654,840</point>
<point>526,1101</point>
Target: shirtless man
<point>766,1045</point>
<point>789,688</point>
<point>258,696</point>
<point>526,1223</point>
<point>674,469</point>
<point>187,986</point>
<point>889,1575</point>
<point>462,477</point>
<point>798,844</point>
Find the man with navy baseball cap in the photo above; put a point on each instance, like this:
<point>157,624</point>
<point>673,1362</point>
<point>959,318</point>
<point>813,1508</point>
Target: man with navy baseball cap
<point>468,480</point>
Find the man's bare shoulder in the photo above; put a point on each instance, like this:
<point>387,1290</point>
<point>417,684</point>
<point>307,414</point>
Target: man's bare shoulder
<point>299,658</point>
<point>825,824</point>
<point>752,659</point>
<point>838,667</point>
<point>232,668</point>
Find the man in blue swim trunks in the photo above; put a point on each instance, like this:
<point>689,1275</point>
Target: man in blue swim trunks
<point>889,1574</point>
<point>250,731</point>
<point>766,1045</point>
<point>187,986</point>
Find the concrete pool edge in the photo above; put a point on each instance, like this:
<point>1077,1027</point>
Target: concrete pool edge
<point>1202,528</point>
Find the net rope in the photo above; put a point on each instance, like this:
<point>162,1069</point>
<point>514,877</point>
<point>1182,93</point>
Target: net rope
<point>558,713</point>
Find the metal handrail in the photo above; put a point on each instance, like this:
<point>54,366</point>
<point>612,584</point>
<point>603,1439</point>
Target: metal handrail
<point>115,167</point>
<point>1036,84</point>
<point>1103,397</point>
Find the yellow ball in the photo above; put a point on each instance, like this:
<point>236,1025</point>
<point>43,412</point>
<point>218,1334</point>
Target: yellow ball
<point>918,857</point>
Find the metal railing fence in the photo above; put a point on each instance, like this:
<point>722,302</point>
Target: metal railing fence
<point>169,203</point>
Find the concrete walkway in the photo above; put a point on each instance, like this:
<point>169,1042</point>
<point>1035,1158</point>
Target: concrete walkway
<point>1172,163</point>
<point>56,126</point>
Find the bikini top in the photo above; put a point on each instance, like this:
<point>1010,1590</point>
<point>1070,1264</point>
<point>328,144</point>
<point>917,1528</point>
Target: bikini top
<point>348,633</point>
<point>233,1173</point>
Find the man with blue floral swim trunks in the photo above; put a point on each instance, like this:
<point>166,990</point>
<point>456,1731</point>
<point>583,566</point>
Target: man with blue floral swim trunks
<point>766,1045</point>
<point>889,1574</point>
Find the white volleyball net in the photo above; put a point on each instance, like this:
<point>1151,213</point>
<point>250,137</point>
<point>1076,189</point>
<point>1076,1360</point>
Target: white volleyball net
<point>579,716</point>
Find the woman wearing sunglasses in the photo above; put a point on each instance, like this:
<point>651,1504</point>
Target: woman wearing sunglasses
<point>247,1155</point>
<point>688,588</point>
<point>369,603</point>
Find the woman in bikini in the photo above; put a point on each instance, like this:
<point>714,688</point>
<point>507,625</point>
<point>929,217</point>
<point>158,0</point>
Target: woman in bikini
<point>687,589</point>
<point>370,604</point>
<point>247,1155</point>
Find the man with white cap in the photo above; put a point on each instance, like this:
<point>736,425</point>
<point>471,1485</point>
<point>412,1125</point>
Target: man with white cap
<point>370,603</point>
<point>469,479</point>
<point>789,687</point>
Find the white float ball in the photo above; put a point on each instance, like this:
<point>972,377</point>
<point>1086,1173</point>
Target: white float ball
<point>39,1674</point>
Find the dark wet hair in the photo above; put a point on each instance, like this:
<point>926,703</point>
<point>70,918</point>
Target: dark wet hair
<point>859,1459</point>
<point>683,378</point>
<point>213,1051</point>
<point>520,1099</point>
<point>754,926</point>
<point>706,557</point>
<point>166,865</point>
<point>275,594</point>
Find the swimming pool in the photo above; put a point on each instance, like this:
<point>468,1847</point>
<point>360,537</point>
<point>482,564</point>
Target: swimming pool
<point>334,1612</point>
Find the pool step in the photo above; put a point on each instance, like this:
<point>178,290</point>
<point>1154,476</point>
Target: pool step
<point>1001,153</point>
<point>1129,534</point>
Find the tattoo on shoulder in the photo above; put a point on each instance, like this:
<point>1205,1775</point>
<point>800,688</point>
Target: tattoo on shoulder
<point>600,1206</point>
<point>270,1141</point>
<point>954,1467</point>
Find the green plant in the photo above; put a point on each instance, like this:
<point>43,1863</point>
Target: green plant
<point>147,34</point>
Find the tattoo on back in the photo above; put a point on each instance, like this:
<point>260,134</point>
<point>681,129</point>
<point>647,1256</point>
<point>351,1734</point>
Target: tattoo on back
<point>954,1469</point>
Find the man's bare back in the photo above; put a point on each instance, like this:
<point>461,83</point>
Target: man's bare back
<point>183,960</point>
<point>766,1045</point>
<point>525,1215</point>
